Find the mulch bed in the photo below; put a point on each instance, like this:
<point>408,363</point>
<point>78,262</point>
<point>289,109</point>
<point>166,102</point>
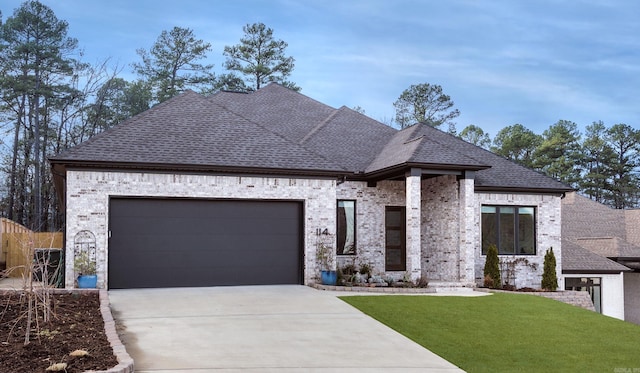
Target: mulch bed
<point>76,324</point>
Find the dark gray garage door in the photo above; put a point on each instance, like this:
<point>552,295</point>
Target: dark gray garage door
<point>184,242</point>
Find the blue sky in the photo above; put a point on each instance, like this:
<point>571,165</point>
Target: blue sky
<point>502,62</point>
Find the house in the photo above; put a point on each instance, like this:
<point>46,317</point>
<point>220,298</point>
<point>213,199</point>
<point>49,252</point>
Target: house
<point>239,188</point>
<point>601,255</point>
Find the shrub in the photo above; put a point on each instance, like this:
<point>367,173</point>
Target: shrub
<point>488,281</point>
<point>492,268</point>
<point>549,277</point>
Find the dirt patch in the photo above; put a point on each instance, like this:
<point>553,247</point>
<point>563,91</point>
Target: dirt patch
<point>76,324</point>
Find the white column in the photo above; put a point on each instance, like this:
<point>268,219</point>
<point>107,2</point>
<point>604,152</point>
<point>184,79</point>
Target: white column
<point>468,225</point>
<point>414,236</point>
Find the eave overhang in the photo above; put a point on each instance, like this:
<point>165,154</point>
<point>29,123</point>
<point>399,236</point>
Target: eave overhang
<point>593,271</point>
<point>531,190</point>
<point>431,169</point>
<point>60,167</point>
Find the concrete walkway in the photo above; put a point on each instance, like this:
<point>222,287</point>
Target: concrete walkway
<point>260,329</point>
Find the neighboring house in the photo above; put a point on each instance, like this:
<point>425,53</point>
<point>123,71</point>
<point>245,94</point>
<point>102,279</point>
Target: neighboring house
<point>601,255</point>
<point>239,188</point>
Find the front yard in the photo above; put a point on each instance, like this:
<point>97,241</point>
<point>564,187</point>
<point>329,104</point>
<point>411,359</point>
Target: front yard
<point>510,332</point>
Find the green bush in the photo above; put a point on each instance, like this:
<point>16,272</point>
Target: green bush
<point>492,269</point>
<point>549,277</point>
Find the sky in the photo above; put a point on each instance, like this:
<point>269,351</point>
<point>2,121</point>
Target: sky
<point>502,62</point>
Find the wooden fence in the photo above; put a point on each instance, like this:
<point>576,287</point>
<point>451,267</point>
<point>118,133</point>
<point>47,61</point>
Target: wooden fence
<point>17,243</point>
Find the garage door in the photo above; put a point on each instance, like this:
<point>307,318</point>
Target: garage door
<point>184,242</point>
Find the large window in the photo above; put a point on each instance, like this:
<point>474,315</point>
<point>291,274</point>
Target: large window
<point>590,284</point>
<point>511,228</point>
<point>346,229</point>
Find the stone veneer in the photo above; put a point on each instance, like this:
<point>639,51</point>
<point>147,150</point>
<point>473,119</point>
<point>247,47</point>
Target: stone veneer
<point>548,234</point>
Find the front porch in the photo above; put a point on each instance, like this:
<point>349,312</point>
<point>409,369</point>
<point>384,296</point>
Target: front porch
<point>419,225</point>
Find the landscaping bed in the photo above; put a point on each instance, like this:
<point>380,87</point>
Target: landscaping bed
<point>76,323</point>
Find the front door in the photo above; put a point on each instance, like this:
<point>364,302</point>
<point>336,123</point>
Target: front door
<point>395,238</point>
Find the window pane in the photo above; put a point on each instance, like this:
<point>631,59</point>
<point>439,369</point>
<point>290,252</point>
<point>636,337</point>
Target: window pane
<point>346,228</point>
<point>507,234</point>
<point>596,296</point>
<point>526,231</point>
<point>394,218</point>
<point>488,209</point>
<point>489,228</point>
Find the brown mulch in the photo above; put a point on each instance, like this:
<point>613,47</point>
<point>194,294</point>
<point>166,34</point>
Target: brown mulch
<point>76,324</point>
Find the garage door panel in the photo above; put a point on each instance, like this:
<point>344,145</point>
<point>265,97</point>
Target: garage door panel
<point>163,243</point>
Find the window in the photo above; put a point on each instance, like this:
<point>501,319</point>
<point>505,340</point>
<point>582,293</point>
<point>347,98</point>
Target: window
<point>590,284</point>
<point>511,228</point>
<point>346,228</point>
<point>395,238</point>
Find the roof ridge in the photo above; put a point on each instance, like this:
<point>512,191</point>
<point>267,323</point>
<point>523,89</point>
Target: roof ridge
<point>408,131</point>
<point>498,155</point>
<point>464,154</point>
<point>455,137</point>
<point>419,139</point>
<point>275,133</point>
<point>319,126</point>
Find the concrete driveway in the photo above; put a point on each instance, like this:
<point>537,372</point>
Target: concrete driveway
<point>261,329</point>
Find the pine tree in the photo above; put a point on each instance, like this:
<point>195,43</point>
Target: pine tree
<point>260,58</point>
<point>549,277</point>
<point>492,269</point>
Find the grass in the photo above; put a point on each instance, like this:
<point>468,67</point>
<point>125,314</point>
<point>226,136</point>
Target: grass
<point>510,332</point>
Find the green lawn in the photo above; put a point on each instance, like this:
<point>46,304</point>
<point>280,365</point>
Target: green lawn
<point>510,332</point>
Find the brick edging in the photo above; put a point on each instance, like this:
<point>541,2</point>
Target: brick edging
<point>368,289</point>
<point>580,299</point>
<point>125,362</point>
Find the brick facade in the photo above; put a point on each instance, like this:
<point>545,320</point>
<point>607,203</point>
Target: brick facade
<point>548,234</point>
<point>443,217</point>
<point>88,195</point>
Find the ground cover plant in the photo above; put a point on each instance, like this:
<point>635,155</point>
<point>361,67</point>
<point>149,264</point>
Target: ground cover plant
<point>509,332</point>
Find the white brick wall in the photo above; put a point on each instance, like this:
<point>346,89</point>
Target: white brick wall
<point>548,234</point>
<point>440,230</point>
<point>370,204</point>
<point>440,258</point>
<point>448,251</point>
<point>88,195</point>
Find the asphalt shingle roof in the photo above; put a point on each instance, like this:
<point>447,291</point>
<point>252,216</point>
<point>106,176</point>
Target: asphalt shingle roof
<point>582,217</point>
<point>576,258</point>
<point>611,247</point>
<point>189,130</point>
<point>600,230</point>
<point>415,145</point>
<point>276,128</point>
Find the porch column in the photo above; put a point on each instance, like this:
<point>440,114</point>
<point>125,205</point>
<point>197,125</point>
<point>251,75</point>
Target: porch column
<point>468,227</point>
<point>414,236</point>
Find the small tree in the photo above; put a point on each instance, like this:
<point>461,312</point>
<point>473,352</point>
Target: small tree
<point>549,277</point>
<point>492,268</point>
